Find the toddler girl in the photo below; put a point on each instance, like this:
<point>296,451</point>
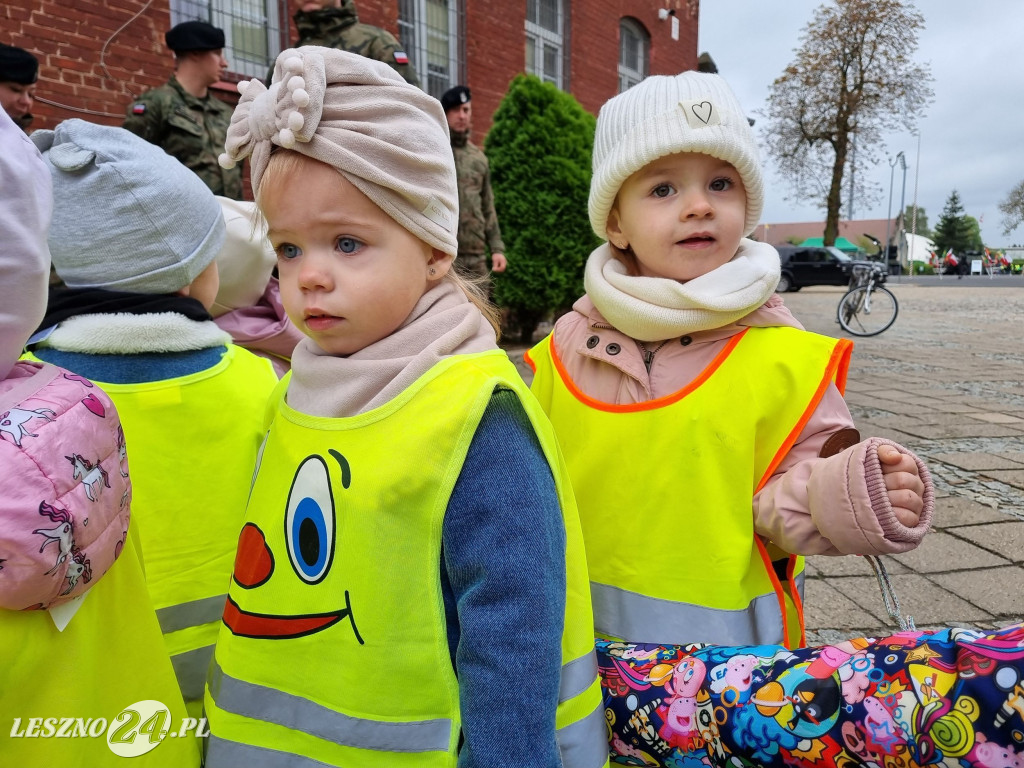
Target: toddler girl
<point>409,586</point>
<point>705,432</point>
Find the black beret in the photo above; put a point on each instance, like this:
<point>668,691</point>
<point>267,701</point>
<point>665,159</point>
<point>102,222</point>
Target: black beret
<point>18,65</point>
<point>455,97</point>
<point>194,36</point>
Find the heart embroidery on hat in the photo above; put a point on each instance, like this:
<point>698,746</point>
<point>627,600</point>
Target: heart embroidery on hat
<point>702,111</point>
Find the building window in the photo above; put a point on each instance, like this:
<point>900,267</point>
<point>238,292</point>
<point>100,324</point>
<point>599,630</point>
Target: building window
<point>634,53</point>
<point>252,30</point>
<point>429,31</point>
<point>544,40</point>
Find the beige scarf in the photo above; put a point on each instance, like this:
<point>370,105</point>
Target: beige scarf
<point>443,323</point>
<point>656,308</point>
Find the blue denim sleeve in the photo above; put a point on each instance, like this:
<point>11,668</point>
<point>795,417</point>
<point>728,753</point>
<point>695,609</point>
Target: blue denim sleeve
<point>503,583</point>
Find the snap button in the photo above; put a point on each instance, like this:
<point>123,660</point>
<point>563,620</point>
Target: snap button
<point>685,340</point>
<point>613,349</point>
<point>592,342</point>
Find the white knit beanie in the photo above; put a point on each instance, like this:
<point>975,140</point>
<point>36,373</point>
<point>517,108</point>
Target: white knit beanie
<point>358,115</point>
<point>246,261</point>
<point>665,115</point>
<point>127,216</point>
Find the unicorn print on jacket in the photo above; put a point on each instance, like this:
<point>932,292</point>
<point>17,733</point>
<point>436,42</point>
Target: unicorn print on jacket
<point>63,533</point>
<point>12,422</point>
<point>92,475</point>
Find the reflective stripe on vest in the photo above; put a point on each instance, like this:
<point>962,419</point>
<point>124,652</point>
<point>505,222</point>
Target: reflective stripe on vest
<point>258,702</point>
<point>356,607</point>
<point>191,669</point>
<point>688,550</point>
<point>584,744</point>
<point>191,614</point>
<point>577,675</point>
<point>223,752</point>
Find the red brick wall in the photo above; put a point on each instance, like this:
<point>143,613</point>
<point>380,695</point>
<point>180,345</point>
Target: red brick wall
<point>594,38</point>
<point>68,35</point>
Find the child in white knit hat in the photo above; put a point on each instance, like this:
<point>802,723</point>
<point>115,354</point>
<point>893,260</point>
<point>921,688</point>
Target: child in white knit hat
<point>706,435</point>
<point>410,584</point>
<point>248,303</point>
<point>134,237</point>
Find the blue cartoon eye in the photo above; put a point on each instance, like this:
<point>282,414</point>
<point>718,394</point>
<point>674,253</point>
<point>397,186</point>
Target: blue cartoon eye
<point>309,522</point>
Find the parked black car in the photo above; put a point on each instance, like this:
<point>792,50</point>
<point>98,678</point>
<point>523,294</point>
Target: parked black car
<point>808,265</point>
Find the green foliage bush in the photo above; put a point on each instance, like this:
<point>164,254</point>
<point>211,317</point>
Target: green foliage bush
<point>539,148</point>
<point>920,268</point>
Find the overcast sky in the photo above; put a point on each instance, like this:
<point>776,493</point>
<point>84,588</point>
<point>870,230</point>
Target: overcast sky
<point>972,135</point>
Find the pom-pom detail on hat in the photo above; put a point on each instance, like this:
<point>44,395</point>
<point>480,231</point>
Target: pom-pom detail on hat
<point>300,97</point>
<point>296,82</point>
<point>225,161</point>
<point>286,138</point>
<point>295,121</point>
<point>293,64</point>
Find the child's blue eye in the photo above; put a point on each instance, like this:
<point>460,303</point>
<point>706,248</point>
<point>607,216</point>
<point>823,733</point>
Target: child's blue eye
<point>348,244</point>
<point>287,251</point>
<point>662,190</point>
<point>721,184</point>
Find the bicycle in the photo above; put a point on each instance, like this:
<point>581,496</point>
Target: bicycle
<point>868,307</point>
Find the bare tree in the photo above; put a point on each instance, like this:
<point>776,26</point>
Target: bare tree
<point>1013,209</point>
<point>852,77</point>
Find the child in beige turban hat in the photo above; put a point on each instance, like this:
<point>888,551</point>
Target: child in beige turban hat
<point>410,577</point>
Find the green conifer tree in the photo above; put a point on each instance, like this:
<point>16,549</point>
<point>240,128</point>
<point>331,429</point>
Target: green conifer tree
<point>539,148</point>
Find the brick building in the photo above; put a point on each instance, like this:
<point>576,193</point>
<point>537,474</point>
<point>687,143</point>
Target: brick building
<point>96,55</point>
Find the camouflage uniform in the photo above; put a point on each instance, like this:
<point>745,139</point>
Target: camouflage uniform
<point>478,223</point>
<point>191,129</point>
<point>340,28</point>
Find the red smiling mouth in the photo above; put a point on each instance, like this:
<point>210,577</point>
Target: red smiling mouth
<point>272,627</point>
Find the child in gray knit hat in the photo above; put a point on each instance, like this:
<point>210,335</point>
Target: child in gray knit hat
<point>134,236</point>
<point>410,578</point>
<point>682,390</point>
<point>78,633</point>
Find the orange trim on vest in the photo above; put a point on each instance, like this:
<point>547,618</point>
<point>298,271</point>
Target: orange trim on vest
<point>844,364</point>
<point>780,594</point>
<point>529,361</point>
<point>840,357</point>
<point>648,405</point>
<point>797,601</point>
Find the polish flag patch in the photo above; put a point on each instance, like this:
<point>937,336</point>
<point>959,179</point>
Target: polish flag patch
<point>401,58</point>
<point>139,109</point>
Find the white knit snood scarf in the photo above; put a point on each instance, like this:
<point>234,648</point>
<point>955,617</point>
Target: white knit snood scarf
<point>656,308</point>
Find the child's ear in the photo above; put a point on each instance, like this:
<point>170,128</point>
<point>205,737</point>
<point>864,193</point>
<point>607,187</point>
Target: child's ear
<point>613,230</point>
<point>438,264</point>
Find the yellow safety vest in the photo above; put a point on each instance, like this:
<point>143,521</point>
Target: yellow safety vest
<point>191,443</point>
<point>334,645</point>
<point>109,657</point>
<point>664,489</point>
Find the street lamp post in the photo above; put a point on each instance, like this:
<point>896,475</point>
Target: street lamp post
<point>888,210</point>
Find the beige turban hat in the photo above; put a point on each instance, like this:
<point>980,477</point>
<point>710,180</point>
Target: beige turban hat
<point>388,138</point>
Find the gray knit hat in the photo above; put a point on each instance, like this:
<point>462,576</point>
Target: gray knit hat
<point>663,115</point>
<point>358,115</point>
<point>127,216</point>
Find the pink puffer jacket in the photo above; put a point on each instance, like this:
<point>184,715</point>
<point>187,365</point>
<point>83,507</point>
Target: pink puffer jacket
<point>65,494</point>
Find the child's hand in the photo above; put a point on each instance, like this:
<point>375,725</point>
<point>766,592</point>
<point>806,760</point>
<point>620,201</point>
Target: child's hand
<point>903,484</point>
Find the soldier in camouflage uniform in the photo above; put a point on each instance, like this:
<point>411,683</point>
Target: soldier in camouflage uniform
<point>183,117</point>
<point>478,223</point>
<point>335,24</point>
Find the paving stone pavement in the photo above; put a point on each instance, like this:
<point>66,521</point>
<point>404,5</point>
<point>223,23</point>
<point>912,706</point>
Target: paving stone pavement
<point>947,381</point>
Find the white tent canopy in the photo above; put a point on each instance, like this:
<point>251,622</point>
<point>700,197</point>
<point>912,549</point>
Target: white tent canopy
<point>916,248</point>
